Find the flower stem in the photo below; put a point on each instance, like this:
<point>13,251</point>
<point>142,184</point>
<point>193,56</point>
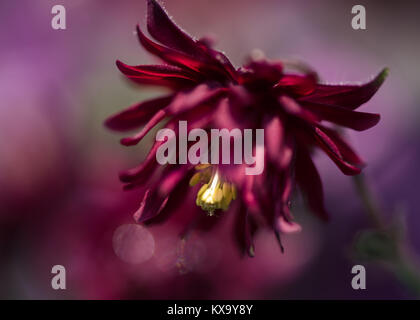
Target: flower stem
<point>403,264</point>
<point>407,272</point>
<point>369,202</point>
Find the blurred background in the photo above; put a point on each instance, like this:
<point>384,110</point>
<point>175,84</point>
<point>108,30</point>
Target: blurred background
<point>61,202</point>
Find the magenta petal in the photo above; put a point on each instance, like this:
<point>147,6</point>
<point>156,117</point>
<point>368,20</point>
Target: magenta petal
<point>348,96</point>
<point>163,29</point>
<point>274,137</point>
<point>176,205</point>
<point>328,144</point>
<point>245,227</point>
<point>343,116</point>
<point>225,118</point>
<point>167,54</point>
<point>156,198</point>
<point>345,150</point>
<point>158,116</point>
<point>293,108</point>
<point>145,169</point>
<point>182,102</point>
<point>285,226</point>
<point>160,75</point>
<point>222,63</point>
<point>173,178</point>
<point>309,182</point>
<point>296,85</point>
<point>138,114</point>
<point>280,197</point>
<point>248,195</point>
<point>286,156</point>
<point>151,205</point>
<point>188,100</point>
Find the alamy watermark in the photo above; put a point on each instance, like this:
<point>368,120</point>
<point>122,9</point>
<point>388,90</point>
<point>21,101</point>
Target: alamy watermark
<point>358,282</point>
<point>58,282</point>
<point>199,153</point>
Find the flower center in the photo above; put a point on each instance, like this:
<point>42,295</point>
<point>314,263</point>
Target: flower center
<point>216,193</point>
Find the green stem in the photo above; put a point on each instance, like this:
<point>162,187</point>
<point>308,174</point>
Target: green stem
<point>368,200</point>
<point>404,265</point>
<point>407,272</point>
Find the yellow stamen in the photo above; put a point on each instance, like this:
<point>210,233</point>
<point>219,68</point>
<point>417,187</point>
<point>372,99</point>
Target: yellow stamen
<point>216,194</point>
<point>195,179</point>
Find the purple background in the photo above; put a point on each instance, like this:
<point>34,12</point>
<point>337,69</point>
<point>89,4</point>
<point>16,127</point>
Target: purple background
<point>60,198</point>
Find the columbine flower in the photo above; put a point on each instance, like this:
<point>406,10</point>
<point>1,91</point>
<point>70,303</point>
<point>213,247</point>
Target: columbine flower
<point>209,92</point>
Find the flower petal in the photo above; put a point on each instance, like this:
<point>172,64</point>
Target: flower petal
<point>150,206</point>
<point>293,108</point>
<point>286,226</point>
<point>274,136</point>
<point>183,101</point>
<point>221,64</point>
<point>329,144</point>
<point>138,114</point>
<point>343,116</point>
<point>178,206</point>
<point>244,229</point>
<point>161,75</point>
<point>281,190</point>
<point>163,29</point>
<point>157,117</point>
<point>309,182</point>
<point>156,198</point>
<point>296,85</point>
<point>197,119</point>
<point>346,151</point>
<point>347,96</point>
<point>142,172</point>
<point>279,146</point>
<point>167,54</point>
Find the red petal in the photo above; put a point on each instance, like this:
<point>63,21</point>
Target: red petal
<point>245,227</point>
<point>157,117</point>
<point>346,151</point>
<point>151,205</point>
<point>309,181</point>
<point>222,64</point>
<point>274,138</point>
<point>334,147</point>
<point>145,169</point>
<point>167,54</point>
<point>183,101</point>
<point>163,29</point>
<point>348,96</point>
<point>156,198</point>
<point>286,226</point>
<point>342,116</point>
<point>293,108</point>
<point>163,75</point>
<point>137,114</point>
<point>296,85</point>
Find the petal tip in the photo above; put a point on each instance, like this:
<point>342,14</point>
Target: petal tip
<point>108,123</point>
<point>251,251</point>
<point>128,142</point>
<point>384,73</point>
<point>380,78</point>
<point>121,66</point>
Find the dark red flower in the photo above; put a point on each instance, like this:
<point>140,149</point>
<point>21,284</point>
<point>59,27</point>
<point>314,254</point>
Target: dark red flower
<point>209,92</point>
